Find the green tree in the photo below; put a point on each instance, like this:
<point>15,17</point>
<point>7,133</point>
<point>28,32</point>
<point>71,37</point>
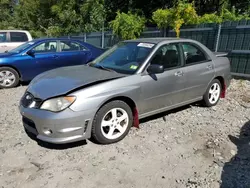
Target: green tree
<point>6,18</point>
<point>74,17</point>
<point>128,26</point>
<point>210,18</point>
<point>182,13</point>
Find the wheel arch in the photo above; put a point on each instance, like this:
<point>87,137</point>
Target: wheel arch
<point>223,85</point>
<point>130,102</point>
<point>10,66</point>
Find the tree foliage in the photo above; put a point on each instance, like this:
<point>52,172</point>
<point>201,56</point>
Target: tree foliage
<point>182,13</point>
<point>64,17</point>
<point>128,26</point>
<point>53,17</point>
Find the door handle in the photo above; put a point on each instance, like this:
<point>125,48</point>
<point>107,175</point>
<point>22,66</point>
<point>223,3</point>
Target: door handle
<point>4,46</point>
<point>179,73</point>
<point>209,67</point>
<point>55,56</point>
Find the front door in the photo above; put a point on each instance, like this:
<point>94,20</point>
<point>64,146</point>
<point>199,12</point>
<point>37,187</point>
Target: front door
<point>162,91</point>
<point>199,71</point>
<point>16,39</point>
<point>45,58</point>
<point>3,42</point>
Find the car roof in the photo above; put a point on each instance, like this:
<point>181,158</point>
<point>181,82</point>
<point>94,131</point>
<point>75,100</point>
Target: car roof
<point>157,40</point>
<point>13,30</point>
<point>44,39</point>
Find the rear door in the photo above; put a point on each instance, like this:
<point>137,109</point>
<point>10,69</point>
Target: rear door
<point>73,53</point>
<point>167,89</point>
<point>3,41</point>
<point>199,69</point>
<point>16,39</point>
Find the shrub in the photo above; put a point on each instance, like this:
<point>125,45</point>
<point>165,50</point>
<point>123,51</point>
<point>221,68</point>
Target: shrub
<point>128,26</point>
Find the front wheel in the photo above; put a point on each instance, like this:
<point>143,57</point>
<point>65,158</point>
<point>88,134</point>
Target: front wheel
<point>8,77</point>
<point>112,122</point>
<point>212,95</point>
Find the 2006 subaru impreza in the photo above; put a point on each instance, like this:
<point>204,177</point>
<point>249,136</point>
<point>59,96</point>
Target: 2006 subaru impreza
<point>132,80</point>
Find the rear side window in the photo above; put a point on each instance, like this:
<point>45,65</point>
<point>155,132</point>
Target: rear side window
<point>18,37</point>
<point>71,46</point>
<point>3,36</point>
<point>193,54</point>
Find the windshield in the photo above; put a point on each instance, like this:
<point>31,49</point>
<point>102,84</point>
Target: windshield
<point>21,47</point>
<point>124,57</point>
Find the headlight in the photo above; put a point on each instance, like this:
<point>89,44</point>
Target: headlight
<point>58,104</point>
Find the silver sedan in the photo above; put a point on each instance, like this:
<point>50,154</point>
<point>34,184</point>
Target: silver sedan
<point>132,80</point>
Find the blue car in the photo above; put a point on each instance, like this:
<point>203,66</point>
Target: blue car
<point>32,58</point>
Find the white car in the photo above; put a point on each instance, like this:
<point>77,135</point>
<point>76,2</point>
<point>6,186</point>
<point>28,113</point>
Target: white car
<point>10,39</point>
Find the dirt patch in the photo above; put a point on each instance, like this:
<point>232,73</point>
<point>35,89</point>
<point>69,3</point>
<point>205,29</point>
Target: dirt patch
<point>194,147</point>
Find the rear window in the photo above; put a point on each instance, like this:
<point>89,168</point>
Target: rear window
<point>18,37</point>
<point>3,36</point>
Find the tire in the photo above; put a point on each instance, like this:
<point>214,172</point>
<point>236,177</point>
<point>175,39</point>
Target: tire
<point>212,95</point>
<point>108,128</point>
<point>11,78</point>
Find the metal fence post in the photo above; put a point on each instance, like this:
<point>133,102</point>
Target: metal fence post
<point>218,38</point>
<point>103,35</point>
<point>85,37</point>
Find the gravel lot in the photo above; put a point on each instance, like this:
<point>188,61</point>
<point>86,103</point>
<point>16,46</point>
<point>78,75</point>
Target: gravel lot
<point>195,147</point>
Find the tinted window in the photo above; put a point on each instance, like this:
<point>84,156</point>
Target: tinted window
<point>18,37</point>
<point>168,56</point>
<point>193,54</point>
<point>46,47</point>
<point>71,46</point>
<point>3,36</point>
<point>125,57</point>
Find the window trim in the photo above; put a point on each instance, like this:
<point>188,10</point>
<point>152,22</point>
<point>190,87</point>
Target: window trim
<point>7,37</point>
<point>197,46</point>
<point>180,55</point>
<point>45,42</point>
<point>60,49</point>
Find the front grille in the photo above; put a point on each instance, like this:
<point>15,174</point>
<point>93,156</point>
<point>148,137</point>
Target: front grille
<point>29,122</point>
<point>29,99</point>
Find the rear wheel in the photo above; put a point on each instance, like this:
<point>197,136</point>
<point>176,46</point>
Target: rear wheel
<point>112,122</point>
<point>8,77</point>
<point>212,95</point>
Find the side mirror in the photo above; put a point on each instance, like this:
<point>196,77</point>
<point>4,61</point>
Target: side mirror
<point>31,53</point>
<point>155,69</point>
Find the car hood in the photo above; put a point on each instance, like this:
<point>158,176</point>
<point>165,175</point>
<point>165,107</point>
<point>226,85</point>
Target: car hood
<point>3,55</point>
<point>61,81</point>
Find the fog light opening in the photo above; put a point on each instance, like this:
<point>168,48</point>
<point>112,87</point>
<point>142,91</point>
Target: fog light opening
<point>47,131</point>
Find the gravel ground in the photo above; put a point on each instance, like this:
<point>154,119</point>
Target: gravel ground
<point>195,147</point>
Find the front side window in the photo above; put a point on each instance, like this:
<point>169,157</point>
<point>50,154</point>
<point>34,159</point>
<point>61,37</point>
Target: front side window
<point>3,36</point>
<point>124,57</point>
<point>71,46</point>
<point>193,54</point>
<point>167,55</point>
<point>46,47</point>
<point>18,37</point>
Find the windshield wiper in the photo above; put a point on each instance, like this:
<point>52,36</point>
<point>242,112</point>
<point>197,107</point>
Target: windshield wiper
<point>103,68</point>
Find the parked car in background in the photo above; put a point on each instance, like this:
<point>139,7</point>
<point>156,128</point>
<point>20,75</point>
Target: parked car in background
<point>10,39</point>
<point>132,80</point>
<point>32,58</point>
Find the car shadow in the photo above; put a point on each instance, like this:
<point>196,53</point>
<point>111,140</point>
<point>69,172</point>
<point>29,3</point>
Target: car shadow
<point>236,172</point>
<point>56,146</point>
<point>163,114</point>
<point>26,83</point>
